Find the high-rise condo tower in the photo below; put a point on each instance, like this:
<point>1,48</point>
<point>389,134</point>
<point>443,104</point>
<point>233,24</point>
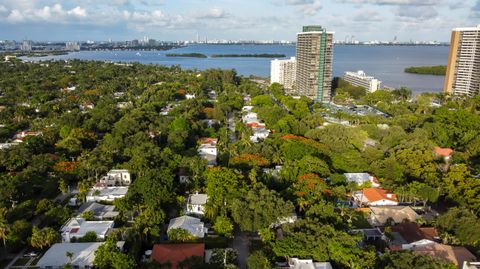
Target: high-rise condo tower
<point>314,63</point>
<point>463,71</point>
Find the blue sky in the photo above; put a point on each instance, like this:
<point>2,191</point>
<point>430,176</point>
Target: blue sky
<point>232,19</point>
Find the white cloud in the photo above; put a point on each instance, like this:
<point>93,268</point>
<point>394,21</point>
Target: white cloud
<point>307,7</point>
<point>78,12</point>
<point>15,16</point>
<point>50,14</point>
<point>213,13</point>
<point>394,2</point>
<point>368,15</point>
<point>416,14</point>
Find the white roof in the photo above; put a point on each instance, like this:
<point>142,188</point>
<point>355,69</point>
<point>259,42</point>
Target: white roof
<point>358,177</point>
<point>109,191</point>
<point>99,210</point>
<point>296,263</point>
<point>78,227</point>
<point>115,171</point>
<point>83,254</point>
<point>197,199</point>
<point>477,28</point>
<point>194,225</point>
<point>206,146</point>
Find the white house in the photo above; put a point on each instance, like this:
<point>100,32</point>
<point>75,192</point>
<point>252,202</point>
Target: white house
<point>7,145</point>
<point>296,263</point>
<point>79,227</point>
<point>208,150</point>
<point>247,108</point>
<point>375,197</point>
<point>56,258</point>
<point>116,177</point>
<point>108,194</point>
<point>212,95</point>
<point>250,117</point>
<point>193,225</point>
<point>123,105</point>
<point>21,136</point>
<point>100,212</point>
<point>361,178</point>
<point>189,96</point>
<point>196,204</point>
<point>259,134</point>
<point>274,172</point>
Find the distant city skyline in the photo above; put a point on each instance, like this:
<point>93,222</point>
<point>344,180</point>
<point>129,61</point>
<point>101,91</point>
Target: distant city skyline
<point>118,20</point>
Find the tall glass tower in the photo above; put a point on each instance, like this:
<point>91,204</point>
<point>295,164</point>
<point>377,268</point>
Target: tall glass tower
<point>314,63</point>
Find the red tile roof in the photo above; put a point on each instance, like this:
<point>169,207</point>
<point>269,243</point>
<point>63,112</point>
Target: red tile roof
<point>255,125</point>
<point>208,140</point>
<point>411,232</point>
<point>377,194</point>
<point>176,253</point>
<point>445,152</point>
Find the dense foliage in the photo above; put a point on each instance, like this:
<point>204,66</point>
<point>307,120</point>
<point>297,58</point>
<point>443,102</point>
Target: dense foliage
<point>439,70</point>
<point>256,187</point>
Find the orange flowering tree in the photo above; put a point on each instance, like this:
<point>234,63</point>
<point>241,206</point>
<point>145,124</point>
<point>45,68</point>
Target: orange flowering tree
<point>249,160</point>
<point>65,167</point>
<point>308,189</point>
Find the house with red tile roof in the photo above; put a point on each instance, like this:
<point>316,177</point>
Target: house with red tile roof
<point>445,153</point>
<point>411,232</point>
<point>174,254</point>
<point>375,197</point>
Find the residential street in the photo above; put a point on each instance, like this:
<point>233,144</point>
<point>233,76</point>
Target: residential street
<point>60,198</point>
<point>231,127</point>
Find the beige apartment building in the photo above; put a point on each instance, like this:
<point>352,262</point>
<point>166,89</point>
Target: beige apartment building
<point>463,71</point>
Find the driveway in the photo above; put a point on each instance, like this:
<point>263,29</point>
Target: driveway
<point>241,243</point>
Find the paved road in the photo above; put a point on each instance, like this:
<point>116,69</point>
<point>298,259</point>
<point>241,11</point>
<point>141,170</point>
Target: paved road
<point>241,243</point>
<point>19,255</point>
<point>60,198</point>
<point>280,104</point>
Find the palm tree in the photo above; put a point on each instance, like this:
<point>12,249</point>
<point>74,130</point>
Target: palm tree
<point>70,259</point>
<point>277,158</point>
<point>3,233</point>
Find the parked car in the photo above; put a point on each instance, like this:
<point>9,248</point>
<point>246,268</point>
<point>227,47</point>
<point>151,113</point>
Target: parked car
<point>31,254</point>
